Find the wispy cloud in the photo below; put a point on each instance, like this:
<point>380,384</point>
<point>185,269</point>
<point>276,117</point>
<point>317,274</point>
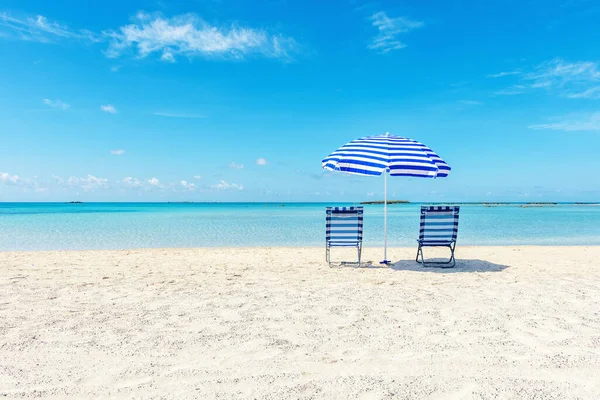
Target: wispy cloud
<point>261,161</point>
<point>177,114</point>
<point>564,77</point>
<point>505,73</point>
<point>573,123</point>
<point>591,93</point>
<point>222,185</point>
<point>575,80</point>
<point>118,152</point>
<point>236,166</point>
<point>188,35</point>
<point>180,36</point>
<point>56,104</point>
<point>40,29</point>
<point>512,90</point>
<point>109,108</point>
<point>88,183</point>
<point>389,31</point>
<point>197,177</point>
<point>115,68</point>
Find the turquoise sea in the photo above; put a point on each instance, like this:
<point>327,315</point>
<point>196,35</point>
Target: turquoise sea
<point>58,226</point>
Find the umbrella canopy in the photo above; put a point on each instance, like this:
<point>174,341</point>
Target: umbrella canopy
<point>374,155</point>
<point>400,156</point>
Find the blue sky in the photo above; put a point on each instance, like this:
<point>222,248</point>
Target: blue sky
<point>240,100</point>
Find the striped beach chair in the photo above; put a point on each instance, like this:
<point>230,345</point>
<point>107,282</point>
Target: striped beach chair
<point>344,228</point>
<point>439,228</point>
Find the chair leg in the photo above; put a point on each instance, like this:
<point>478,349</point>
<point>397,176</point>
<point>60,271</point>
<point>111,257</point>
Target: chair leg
<point>452,247</point>
<point>359,253</point>
<point>452,260</point>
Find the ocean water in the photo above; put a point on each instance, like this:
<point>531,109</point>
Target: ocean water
<point>59,226</point>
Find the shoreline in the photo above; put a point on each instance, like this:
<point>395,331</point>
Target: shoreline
<point>290,248</point>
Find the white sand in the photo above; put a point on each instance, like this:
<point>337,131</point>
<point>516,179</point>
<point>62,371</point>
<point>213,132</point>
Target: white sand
<point>278,323</point>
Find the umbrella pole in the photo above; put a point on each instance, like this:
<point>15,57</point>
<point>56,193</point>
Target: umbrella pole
<point>385,260</point>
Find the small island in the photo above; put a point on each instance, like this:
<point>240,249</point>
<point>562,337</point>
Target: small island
<point>74,202</point>
<point>389,202</point>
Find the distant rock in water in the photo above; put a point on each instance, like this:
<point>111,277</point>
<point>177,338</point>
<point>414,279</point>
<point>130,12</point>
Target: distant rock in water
<point>389,202</point>
<point>74,202</point>
<point>538,204</point>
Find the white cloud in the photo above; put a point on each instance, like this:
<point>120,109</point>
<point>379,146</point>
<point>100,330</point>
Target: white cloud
<point>177,115</point>
<point>115,68</point>
<point>389,30</point>
<point>109,108</point>
<point>236,166</point>
<point>222,185</point>
<point>132,182</point>
<point>88,183</point>
<point>16,180</point>
<point>40,29</point>
<point>154,182</point>
<point>573,123</point>
<point>197,177</point>
<point>12,180</point>
<point>167,56</point>
<point>188,185</point>
<point>56,104</point>
<point>188,35</point>
<point>502,74</point>
<point>261,161</point>
<point>119,152</point>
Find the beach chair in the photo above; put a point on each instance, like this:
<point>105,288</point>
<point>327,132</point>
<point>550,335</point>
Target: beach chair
<point>439,228</point>
<point>344,228</point>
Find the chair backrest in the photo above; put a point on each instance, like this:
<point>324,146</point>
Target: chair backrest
<point>439,223</point>
<point>344,226</point>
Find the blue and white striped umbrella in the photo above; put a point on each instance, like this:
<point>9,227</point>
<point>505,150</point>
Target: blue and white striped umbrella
<point>400,156</point>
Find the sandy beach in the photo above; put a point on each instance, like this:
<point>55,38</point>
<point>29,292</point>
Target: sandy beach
<point>507,322</point>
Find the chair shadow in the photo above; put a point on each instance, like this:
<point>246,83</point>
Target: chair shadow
<point>462,265</point>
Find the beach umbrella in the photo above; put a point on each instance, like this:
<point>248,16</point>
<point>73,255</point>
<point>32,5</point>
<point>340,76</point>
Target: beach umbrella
<point>398,156</point>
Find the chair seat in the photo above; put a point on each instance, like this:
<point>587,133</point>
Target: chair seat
<point>435,242</point>
<point>334,243</point>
